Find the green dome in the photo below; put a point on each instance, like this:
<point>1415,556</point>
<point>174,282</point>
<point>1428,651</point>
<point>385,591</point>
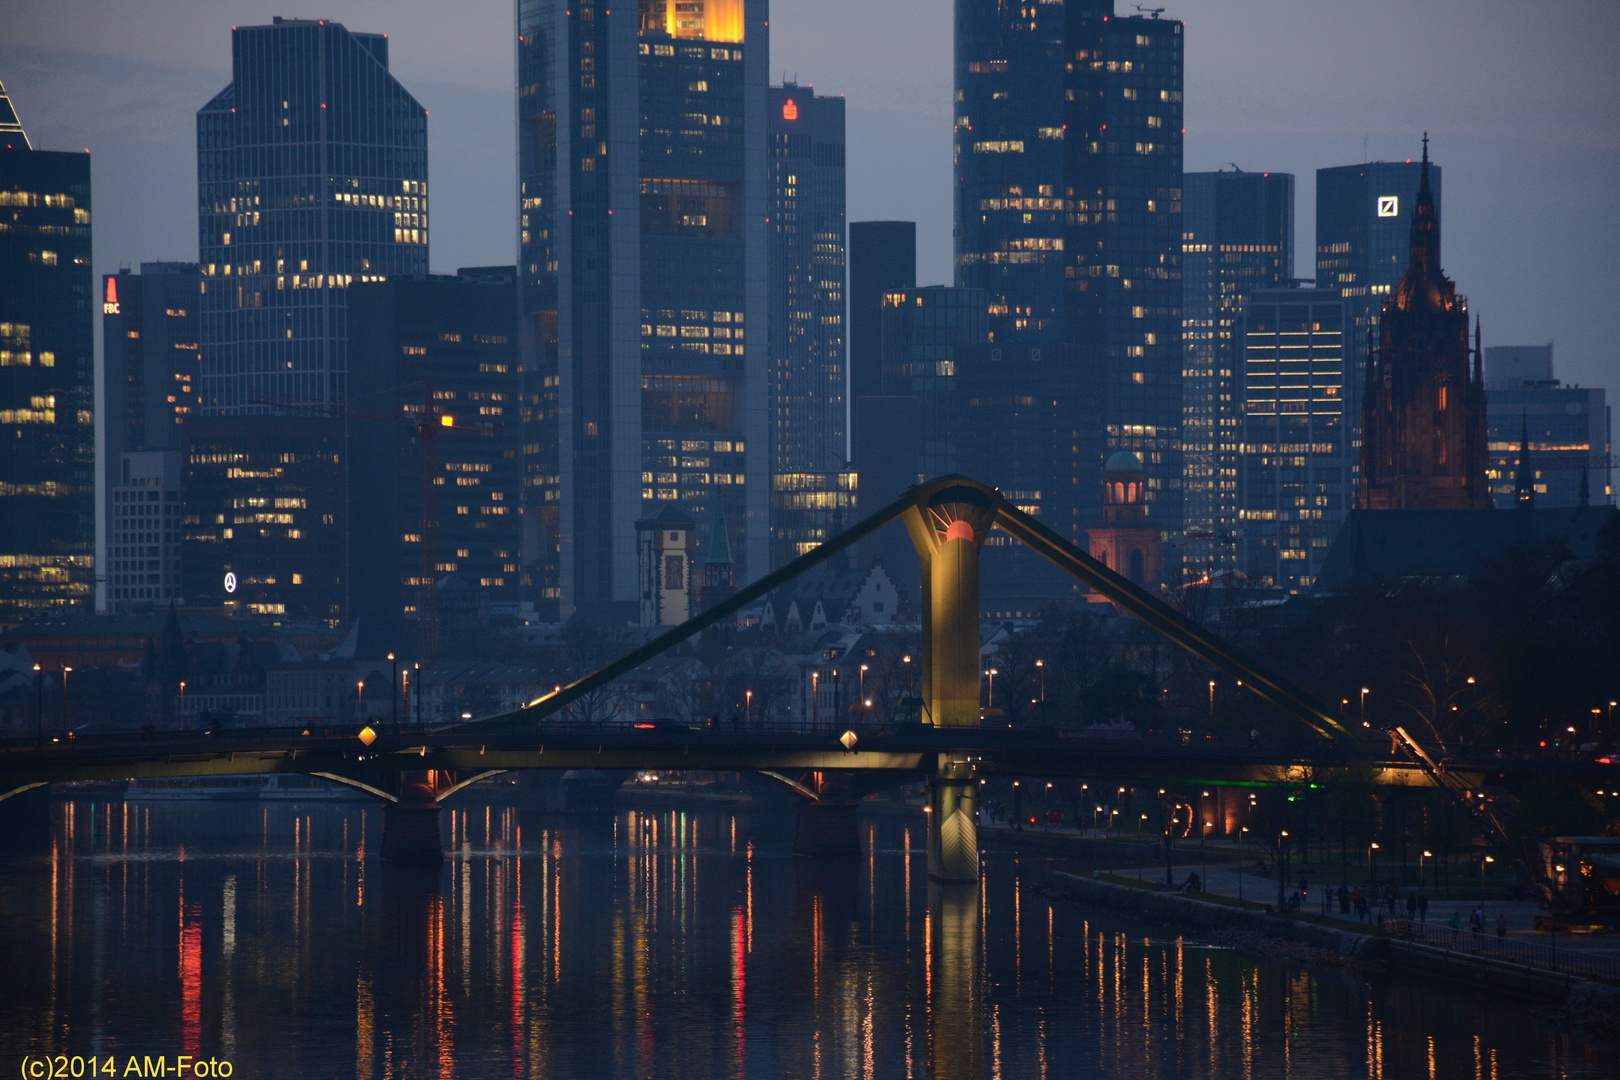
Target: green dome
<point>1124,462</point>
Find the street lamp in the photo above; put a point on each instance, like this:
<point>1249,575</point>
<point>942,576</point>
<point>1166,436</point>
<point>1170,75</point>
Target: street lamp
<point>39,711</point>
<point>1212,701</point>
<point>417,667</point>
<point>360,697</point>
<point>815,700</point>
<point>1364,693</point>
<point>393,691</point>
<point>65,671</point>
<point>1482,862</point>
<point>748,707</point>
<point>1040,666</point>
<point>1372,861</point>
<point>1243,850</point>
<point>990,701</point>
<point>863,682</point>
<point>1421,856</point>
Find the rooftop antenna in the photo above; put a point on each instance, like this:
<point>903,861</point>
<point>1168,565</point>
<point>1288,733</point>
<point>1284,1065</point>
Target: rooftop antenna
<point>1235,166</point>
<point>1152,13</point>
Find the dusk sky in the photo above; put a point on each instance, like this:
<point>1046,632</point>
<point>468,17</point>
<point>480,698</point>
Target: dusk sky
<point>1521,101</point>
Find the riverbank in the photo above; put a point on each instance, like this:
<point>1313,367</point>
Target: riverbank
<point>1563,997</point>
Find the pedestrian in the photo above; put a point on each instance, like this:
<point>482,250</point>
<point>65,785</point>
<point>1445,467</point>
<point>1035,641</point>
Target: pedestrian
<point>1411,906</point>
<point>1423,907</point>
<point>1254,736</point>
<point>1501,924</point>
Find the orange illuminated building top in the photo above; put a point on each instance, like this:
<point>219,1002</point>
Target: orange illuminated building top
<point>703,20</point>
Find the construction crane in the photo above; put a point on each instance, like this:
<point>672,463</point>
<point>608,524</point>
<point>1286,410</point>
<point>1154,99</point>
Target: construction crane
<point>426,425</point>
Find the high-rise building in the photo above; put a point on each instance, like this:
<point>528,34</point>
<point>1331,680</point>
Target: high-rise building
<point>1363,234</point>
<point>882,259</point>
<point>264,526</point>
<point>644,184</point>
<point>149,383</point>
<point>1423,411</point>
<point>47,379</point>
<point>1237,238</point>
<point>1292,496</point>
<point>812,488</point>
<point>143,547</point>
<point>1567,429</point>
<point>1068,152</point>
<point>434,357</point>
<point>311,176</point>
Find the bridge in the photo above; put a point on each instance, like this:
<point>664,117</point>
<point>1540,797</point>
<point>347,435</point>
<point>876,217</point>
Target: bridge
<point>949,519</point>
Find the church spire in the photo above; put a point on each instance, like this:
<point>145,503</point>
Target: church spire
<point>1425,256</point>
<point>1524,480</point>
<point>1479,358</point>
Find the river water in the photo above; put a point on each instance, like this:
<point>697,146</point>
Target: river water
<point>671,942</point>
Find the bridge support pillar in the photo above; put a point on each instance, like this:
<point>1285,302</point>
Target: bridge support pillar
<point>827,830</point>
<point>411,825</point>
<point>948,531</point>
<point>953,824</point>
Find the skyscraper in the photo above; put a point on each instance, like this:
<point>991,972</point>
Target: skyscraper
<point>311,176</point>
<point>434,349</point>
<point>882,259</point>
<point>1237,237</point>
<point>47,379</point>
<point>149,389</point>
<point>1290,465</point>
<point>1423,410</point>
<point>1568,430</point>
<point>1363,233</point>
<point>812,490</point>
<point>644,187</point>
<point>1068,216</point>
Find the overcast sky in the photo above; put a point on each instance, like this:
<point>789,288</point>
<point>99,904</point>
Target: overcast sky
<point>1521,100</point>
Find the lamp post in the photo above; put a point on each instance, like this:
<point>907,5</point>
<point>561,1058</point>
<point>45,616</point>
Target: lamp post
<point>182,709</point>
<point>990,701</point>
<point>417,667</point>
<point>1372,862</point>
<point>1243,849</point>
<point>1482,862</point>
<point>1421,856</point>
<point>65,729</point>
<point>1040,666</point>
<point>360,698</point>
<point>863,682</point>
<point>1212,701</point>
<point>815,699</point>
<point>393,691</point>
<point>1364,693</point>
<point>748,707</point>
<point>39,709</point>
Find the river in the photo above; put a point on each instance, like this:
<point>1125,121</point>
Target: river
<point>672,942</point>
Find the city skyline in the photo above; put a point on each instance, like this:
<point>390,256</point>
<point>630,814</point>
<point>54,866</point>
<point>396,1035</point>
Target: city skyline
<point>1531,154</point>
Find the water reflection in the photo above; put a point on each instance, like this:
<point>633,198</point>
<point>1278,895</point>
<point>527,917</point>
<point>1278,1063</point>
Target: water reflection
<point>677,942</point>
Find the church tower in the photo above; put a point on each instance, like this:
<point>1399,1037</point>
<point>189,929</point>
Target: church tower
<point>1423,413</point>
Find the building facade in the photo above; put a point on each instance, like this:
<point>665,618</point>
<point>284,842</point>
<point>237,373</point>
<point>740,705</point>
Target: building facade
<point>1237,238</point>
<point>311,177</point>
<point>47,380</point>
<point>882,259</point>
<point>644,198</point>
<point>1567,429</point>
<point>1292,496</point>
<point>149,388</point>
<point>812,488</point>
<point>1423,407</point>
<point>1068,151</point>
<point>435,443</point>
<point>264,524</point>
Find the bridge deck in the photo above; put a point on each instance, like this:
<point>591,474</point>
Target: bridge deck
<point>911,749</point>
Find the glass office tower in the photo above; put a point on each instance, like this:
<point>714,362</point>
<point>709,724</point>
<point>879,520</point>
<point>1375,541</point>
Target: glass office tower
<point>1237,237</point>
<point>882,259</point>
<point>1567,428</point>
<point>812,490</point>
<point>311,176</point>
<point>644,188</point>
<point>1292,492</point>
<point>47,379</point>
<point>1068,215</point>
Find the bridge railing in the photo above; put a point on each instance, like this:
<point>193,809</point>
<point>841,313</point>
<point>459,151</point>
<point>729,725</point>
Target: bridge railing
<point>1484,943</point>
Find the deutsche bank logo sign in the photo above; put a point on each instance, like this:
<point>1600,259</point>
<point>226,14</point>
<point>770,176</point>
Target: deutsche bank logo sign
<point>1389,206</point>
